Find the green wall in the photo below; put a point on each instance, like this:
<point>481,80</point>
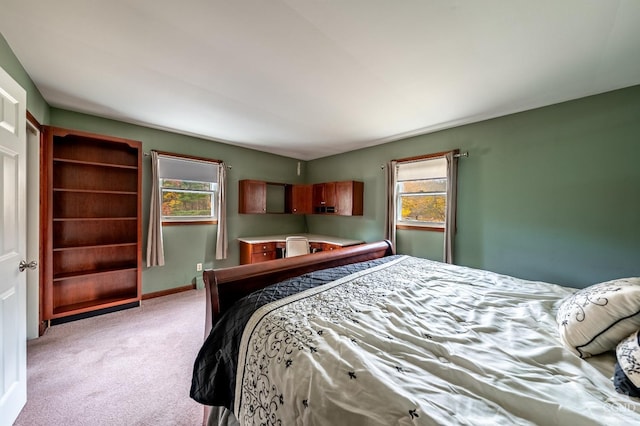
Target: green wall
<point>187,245</point>
<point>35,102</point>
<point>550,194</point>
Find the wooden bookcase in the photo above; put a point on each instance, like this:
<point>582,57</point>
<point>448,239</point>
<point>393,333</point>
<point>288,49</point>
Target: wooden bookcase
<point>91,222</point>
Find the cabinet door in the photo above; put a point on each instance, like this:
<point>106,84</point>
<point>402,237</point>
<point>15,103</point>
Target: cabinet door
<point>300,199</point>
<point>317,197</point>
<point>330,194</point>
<point>324,197</point>
<point>349,198</point>
<point>253,196</point>
<point>344,193</point>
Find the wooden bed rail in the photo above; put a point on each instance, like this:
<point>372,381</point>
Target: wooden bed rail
<point>224,286</point>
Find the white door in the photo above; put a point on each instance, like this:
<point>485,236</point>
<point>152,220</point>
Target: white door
<point>13,309</point>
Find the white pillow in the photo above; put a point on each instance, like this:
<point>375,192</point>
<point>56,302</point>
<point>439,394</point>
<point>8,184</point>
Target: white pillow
<point>626,378</point>
<point>595,319</point>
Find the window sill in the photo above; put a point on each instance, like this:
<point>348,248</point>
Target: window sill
<point>189,222</point>
<point>421,228</point>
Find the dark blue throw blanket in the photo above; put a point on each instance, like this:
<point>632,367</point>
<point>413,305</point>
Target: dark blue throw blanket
<point>214,372</point>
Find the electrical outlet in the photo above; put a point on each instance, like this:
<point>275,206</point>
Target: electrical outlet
<point>198,266</point>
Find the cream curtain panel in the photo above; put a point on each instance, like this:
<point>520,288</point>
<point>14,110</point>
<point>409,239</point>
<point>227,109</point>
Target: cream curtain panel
<point>155,246</point>
<point>222,244</point>
<point>176,166</point>
<point>452,205</point>
<point>391,176</point>
<point>416,168</point>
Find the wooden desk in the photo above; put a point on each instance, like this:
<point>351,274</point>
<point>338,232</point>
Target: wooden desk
<point>260,249</point>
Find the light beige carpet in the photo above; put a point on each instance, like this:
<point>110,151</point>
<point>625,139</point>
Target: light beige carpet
<point>131,367</point>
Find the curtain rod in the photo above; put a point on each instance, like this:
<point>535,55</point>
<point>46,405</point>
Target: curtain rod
<point>423,157</point>
<point>455,152</point>
<point>188,157</point>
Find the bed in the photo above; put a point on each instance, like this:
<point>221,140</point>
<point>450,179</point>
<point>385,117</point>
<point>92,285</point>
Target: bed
<point>361,336</point>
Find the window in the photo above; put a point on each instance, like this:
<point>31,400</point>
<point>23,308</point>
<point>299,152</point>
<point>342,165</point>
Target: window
<point>189,189</point>
<point>422,193</point>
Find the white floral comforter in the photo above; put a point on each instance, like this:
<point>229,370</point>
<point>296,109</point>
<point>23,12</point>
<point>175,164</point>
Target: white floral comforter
<point>419,342</point>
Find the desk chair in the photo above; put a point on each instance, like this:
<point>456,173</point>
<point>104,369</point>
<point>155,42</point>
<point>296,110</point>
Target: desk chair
<point>296,246</point>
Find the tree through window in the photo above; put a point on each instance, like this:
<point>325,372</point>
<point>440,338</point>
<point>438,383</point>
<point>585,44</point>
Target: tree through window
<point>189,189</point>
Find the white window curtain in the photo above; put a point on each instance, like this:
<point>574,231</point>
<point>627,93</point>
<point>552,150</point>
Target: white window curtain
<point>155,246</point>
<point>221,240</point>
<point>391,177</point>
<point>428,168</point>
<point>452,205</point>
<point>175,167</point>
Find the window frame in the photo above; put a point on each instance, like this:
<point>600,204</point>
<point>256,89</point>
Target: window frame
<point>424,226</point>
<point>175,220</point>
<point>189,220</point>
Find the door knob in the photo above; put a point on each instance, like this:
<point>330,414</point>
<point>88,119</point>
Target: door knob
<point>24,265</point>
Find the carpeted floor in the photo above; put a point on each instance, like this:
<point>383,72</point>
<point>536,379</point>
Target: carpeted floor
<point>130,367</point>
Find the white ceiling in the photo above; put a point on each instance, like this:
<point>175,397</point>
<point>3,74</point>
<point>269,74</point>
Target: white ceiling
<point>308,79</point>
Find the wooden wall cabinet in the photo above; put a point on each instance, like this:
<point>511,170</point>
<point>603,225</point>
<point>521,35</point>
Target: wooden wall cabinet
<point>324,197</point>
<point>350,198</point>
<point>298,199</point>
<point>252,196</point>
<point>343,198</point>
<point>338,198</point>
<point>91,222</point>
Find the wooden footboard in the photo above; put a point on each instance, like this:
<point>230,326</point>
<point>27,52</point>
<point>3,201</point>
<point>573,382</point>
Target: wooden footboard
<point>224,286</point>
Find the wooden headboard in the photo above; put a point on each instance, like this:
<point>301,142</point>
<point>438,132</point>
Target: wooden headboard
<point>225,286</point>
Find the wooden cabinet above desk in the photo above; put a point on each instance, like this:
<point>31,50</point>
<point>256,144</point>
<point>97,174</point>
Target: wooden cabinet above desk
<point>340,198</point>
<point>298,199</point>
<point>260,249</point>
<point>343,198</point>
